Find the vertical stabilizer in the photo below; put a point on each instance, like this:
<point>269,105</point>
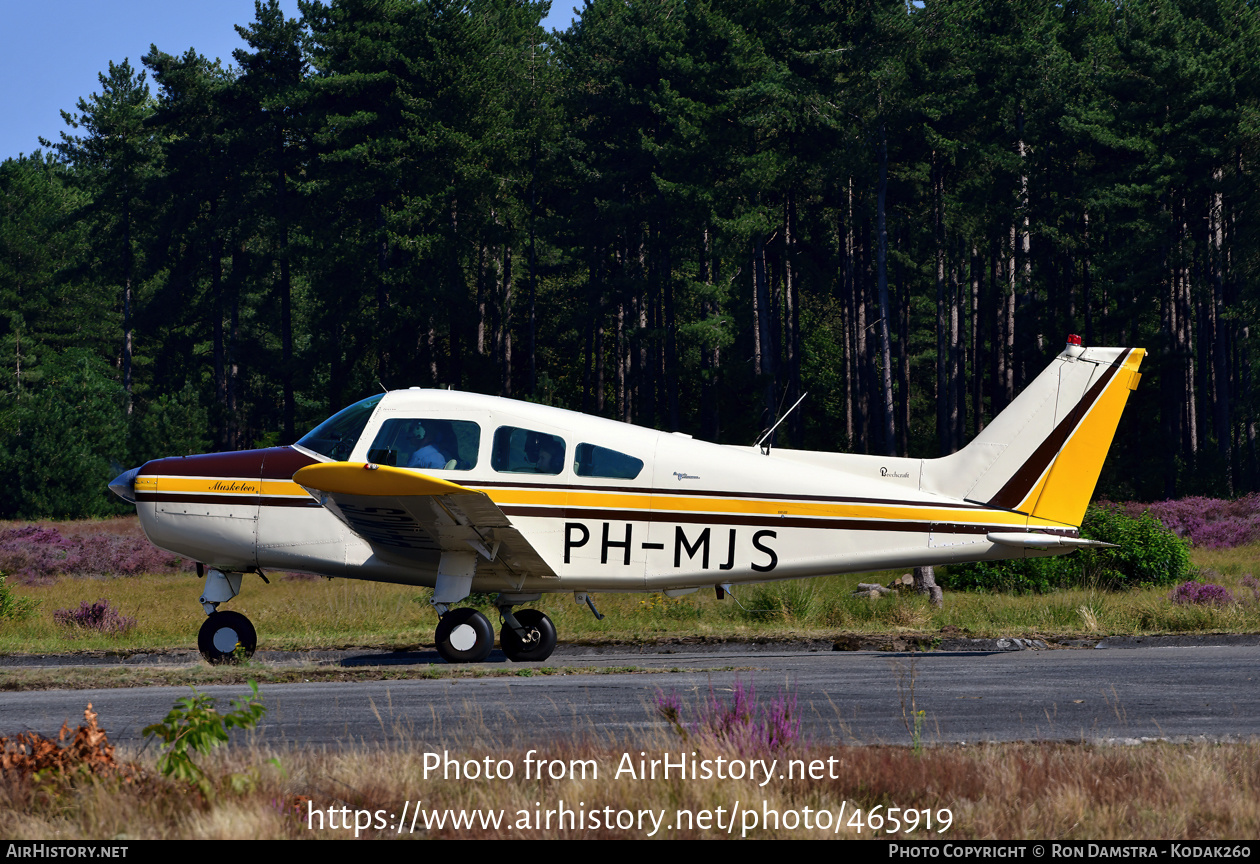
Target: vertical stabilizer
<point>1043,454</point>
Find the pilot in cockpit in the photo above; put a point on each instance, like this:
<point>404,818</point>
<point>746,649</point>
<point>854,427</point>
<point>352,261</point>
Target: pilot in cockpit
<point>427,442</point>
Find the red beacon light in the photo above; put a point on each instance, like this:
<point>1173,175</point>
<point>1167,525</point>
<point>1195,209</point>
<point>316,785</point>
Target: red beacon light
<point>1073,339</point>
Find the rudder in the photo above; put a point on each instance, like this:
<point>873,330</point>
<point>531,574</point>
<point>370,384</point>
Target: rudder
<point>1042,455</point>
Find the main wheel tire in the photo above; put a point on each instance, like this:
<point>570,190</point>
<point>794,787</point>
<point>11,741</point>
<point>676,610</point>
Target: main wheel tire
<point>464,636</point>
<point>539,641</point>
<point>227,637</point>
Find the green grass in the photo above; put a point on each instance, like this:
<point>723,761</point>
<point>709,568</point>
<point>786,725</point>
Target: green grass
<point>201,675</point>
<point>302,614</point>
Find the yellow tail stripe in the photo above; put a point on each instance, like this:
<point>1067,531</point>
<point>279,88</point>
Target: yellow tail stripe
<point>1064,493</point>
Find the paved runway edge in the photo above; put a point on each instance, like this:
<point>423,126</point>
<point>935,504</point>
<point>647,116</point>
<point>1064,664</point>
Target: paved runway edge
<point>362,655</point>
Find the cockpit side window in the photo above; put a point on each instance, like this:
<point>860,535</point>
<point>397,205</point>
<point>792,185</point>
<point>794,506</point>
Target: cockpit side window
<point>590,460</point>
<point>426,442</point>
<point>524,451</point>
<point>337,435</point>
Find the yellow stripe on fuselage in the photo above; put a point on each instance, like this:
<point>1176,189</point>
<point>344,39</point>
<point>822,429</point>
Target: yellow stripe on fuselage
<point>925,513</point>
<point>631,501</point>
<point>242,486</point>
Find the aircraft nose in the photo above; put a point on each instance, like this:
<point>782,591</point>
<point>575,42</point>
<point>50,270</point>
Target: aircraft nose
<point>124,485</point>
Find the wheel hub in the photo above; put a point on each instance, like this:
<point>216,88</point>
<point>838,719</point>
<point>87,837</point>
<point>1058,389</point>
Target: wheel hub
<point>463,637</point>
<point>226,640</point>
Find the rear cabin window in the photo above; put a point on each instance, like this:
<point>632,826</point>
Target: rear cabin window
<point>427,442</point>
<point>337,435</point>
<point>524,451</point>
<point>590,460</point>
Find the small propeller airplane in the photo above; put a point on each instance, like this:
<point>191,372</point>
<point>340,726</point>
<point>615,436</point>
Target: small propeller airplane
<point>461,492</point>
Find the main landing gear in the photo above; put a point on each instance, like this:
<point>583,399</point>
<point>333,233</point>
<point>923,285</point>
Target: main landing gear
<point>225,637</point>
<point>465,636</point>
<point>531,639</point>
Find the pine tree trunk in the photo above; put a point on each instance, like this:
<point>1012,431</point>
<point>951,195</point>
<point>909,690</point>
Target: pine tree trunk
<point>220,365</point>
<point>977,379</point>
<point>1220,338</point>
<point>848,325</point>
<point>943,389</point>
<point>765,345</point>
<point>792,293</point>
<point>889,436</point>
<point>126,358</point>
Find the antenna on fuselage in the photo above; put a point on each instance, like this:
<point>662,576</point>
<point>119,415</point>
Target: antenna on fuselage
<point>382,383</point>
<point>765,448</point>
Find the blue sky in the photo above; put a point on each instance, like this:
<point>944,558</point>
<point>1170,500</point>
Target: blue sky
<point>52,51</point>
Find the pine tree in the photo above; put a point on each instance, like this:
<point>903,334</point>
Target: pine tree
<point>114,158</point>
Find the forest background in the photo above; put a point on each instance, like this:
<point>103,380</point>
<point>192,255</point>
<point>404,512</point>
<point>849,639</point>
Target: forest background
<point>677,214</point>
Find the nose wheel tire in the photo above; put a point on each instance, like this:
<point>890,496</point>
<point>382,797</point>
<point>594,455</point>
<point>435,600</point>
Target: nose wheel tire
<point>464,636</point>
<point>227,637</point>
<point>539,641</point>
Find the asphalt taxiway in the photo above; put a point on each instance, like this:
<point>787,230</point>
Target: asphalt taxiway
<point>1187,688</point>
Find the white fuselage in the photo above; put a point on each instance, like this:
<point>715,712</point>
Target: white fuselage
<point>697,513</point>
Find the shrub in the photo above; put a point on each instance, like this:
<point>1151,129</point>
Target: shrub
<point>36,555</point>
<point>1209,523</point>
<point>98,616</point>
<point>14,608</point>
<point>195,725</point>
<point>1148,553</point>
<point>30,753</point>
<point>1201,594</point>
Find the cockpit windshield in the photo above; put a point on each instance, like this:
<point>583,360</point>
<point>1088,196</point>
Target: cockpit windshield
<point>337,435</point>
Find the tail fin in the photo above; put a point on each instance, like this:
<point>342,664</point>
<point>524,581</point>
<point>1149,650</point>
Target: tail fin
<point>1043,454</point>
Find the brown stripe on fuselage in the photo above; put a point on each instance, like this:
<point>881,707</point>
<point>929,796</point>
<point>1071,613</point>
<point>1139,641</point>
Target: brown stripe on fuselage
<point>1012,494</point>
<point>685,492</point>
<point>272,463</point>
<point>770,521</point>
<point>242,499</point>
<point>281,463</point>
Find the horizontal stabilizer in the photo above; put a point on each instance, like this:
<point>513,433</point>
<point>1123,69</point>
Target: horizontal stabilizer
<point>1046,541</point>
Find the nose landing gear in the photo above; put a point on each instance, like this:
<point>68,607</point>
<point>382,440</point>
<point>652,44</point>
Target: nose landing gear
<point>227,637</point>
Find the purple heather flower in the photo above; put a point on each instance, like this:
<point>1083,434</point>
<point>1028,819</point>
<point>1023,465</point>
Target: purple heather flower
<point>1201,594</point>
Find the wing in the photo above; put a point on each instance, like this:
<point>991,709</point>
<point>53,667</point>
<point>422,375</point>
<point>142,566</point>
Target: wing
<point>408,517</point>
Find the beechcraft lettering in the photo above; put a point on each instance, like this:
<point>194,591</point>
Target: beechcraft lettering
<point>461,493</point>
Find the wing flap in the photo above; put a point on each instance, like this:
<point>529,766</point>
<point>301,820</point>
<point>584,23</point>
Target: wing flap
<point>406,516</point>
